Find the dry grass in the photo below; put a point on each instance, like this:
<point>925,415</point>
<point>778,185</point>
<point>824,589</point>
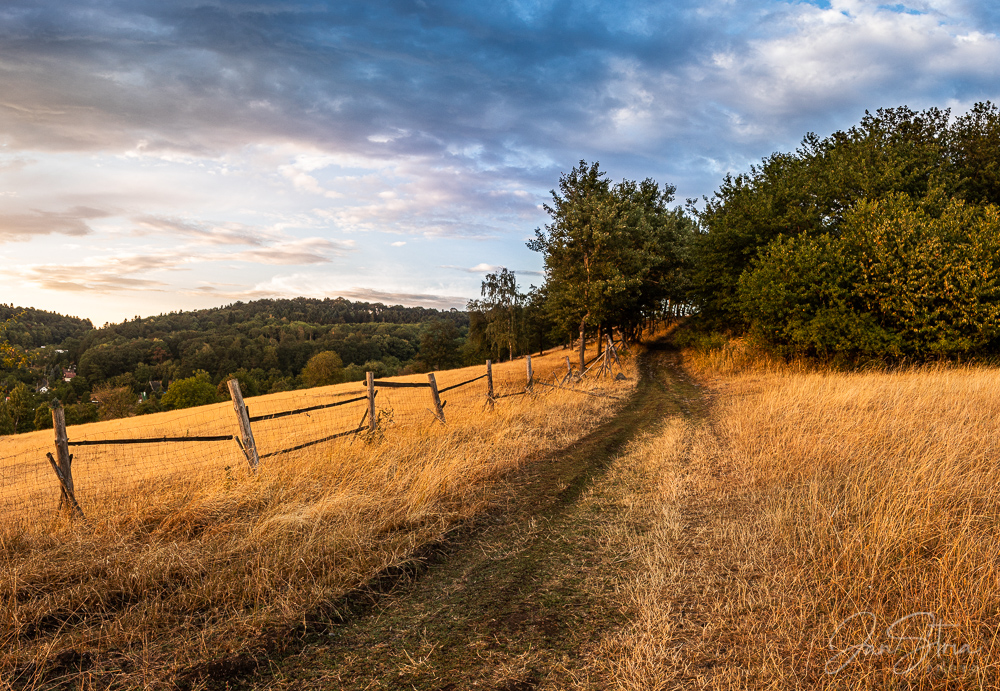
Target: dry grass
<point>174,574</point>
<point>815,530</point>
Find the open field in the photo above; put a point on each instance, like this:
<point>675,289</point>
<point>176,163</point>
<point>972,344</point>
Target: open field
<point>176,576</point>
<point>28,486</point>
<point>813,529</point>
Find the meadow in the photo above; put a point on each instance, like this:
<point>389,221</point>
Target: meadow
<point>807,528</point>
<point>189,561</point>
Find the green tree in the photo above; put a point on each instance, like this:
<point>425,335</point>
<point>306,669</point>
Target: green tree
<point>613,254</point>
<point>499,313</point>
<point>7,425</point>
<point>809,192</point>
<point>21,408</point>
<point>43,417</point>
<point>323,369</point>
<point>439,347</point>
<point>189,392</point>
<point>899,279</point>
<point>11,356</point>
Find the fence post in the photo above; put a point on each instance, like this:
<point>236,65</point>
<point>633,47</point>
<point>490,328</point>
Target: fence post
<point>531,377</point>
<point>489,382</point>
<point>438,408</point>
<point>370,381</point>
<point>249,445</point>
<point>63,463</point>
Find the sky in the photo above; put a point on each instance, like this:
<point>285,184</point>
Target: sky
<point>170,155</point>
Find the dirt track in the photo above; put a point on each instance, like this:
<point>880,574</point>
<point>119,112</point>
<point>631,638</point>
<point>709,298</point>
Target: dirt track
<point>516,601</point>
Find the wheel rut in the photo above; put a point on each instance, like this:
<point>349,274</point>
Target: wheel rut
<point>512,602</point>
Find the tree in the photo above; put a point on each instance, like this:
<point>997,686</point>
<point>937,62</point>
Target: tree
<point>11,356</point>
<point>323,369</point>
<point>21,408</point>
<point>7,425</point>
<point>439,347</point>
<point>898,280</point>
<point>189,392</point>
<point>612,253</point>
<point>499,311</point>
<point>809,192</point>
<point>43,417</point>
<point>114,401</point>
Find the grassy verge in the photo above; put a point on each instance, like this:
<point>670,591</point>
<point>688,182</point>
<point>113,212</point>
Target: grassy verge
<point>194,581</point>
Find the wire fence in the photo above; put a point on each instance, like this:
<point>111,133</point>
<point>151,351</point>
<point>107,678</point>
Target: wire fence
<point>112,465</point>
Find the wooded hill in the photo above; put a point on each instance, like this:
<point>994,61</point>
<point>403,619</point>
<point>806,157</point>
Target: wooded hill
<point>266,344</point>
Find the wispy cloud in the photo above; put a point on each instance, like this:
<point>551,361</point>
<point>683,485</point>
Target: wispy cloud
<point>24,226</point>
<point>305,251</point>
<point>300,285</point>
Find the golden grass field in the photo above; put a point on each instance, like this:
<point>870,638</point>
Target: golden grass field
<point>28,486</point>
<point>814,529</point>
<point>184,563</point>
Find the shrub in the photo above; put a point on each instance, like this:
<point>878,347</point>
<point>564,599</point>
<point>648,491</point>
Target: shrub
<point>192,391</point>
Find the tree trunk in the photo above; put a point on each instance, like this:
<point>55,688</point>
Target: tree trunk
<point>583,345</point>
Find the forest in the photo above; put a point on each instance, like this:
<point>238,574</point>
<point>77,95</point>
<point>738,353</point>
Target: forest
<point>182,359</point>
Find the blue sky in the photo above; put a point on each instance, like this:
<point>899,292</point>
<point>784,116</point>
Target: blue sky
<point>157,156</point>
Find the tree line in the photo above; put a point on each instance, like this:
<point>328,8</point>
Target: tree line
<point>183,359</point>
<point>881,241</point>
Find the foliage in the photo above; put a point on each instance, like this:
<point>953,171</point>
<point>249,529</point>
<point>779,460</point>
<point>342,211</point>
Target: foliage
<point>10,355</point>
<point>323,369</point>
<point>21,408</point>
<point>498,324</point>
<point>439,346</point>
<point>808,192</point>
<point>189,392</point>
<point>897,281</point>
<point>114,402</point>
<point>613,254</point>
<point>881,240</point>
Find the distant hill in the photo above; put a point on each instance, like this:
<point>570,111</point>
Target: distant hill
<point>35,328</point>
<point>266,344</point>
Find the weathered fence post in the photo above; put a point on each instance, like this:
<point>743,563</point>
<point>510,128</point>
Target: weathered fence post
<point>489,382</point>
<point>246,433</point>
<point>531,377</point>
<point>63,467</point>
<point>370,380</point>
<point>438,408</point>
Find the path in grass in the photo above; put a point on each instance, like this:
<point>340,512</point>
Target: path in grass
<point>517,601</point>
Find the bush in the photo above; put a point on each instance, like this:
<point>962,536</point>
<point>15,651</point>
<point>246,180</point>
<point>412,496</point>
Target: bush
<point>899,280</point>
<point>114,402</point>
<point>192,391</point>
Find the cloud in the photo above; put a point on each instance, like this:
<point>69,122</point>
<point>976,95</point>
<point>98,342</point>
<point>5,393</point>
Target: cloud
<point>304,251</point>
<point>397,244</point>
<point>103,274</point>
<point>24,226</point>
<point>484,268</point>
<point>222,234</point>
